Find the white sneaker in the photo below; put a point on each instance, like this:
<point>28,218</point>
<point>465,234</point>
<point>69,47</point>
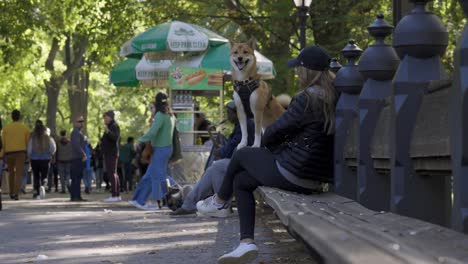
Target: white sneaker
<point>149,206</point>
<point>137,205</point>
<point>113,199</point>
<point>244,253</point>
<point>209,207</point>
<point>42,192</point>
<point>220,213</point>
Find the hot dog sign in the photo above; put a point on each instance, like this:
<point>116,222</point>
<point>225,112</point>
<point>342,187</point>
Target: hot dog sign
<point>185,78</point>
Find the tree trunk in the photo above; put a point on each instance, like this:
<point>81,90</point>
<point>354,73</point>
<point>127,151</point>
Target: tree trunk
<point>57,80</point>
<point>78,95</point>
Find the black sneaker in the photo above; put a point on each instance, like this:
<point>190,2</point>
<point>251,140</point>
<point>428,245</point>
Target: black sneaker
<point>86,190</point>
<point>182,211</point>
<point>23,191</point>
<point>78,200</point>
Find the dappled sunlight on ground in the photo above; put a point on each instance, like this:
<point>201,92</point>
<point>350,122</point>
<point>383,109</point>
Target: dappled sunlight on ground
<point>95,232</point>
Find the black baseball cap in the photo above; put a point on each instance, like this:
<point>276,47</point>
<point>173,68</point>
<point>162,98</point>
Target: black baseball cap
<point>312,58</point>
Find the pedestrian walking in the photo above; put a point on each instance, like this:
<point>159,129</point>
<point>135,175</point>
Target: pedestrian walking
<point>78,160</point>
<point>64,158</point>
<point>127,155</point>
<point>15,141</point>
<point>110,149</point>
<point>160,135</point>
<point>41,149</point>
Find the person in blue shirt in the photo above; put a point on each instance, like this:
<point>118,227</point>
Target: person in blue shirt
<point>88,172</point>
<point>211,181</point>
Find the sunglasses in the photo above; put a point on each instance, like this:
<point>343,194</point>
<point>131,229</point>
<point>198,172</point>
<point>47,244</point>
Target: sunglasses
<point>80,121</point>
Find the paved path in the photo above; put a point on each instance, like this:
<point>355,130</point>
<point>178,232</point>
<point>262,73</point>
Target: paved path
<point>94,232</point>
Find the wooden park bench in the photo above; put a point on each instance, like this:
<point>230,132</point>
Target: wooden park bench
<point>400,191</point>
<point>340,230</point>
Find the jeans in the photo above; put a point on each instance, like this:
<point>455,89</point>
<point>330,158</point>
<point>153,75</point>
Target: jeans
<point>77,168</point>
<point>25,176</point>
<point>154,180</point>
<point>208,184</point>
<point>87,177</point>
<point>64,170</point>
<point>40,170</point>
<point>99,178</point>
<point>52,175</point>
<point>250,168</point>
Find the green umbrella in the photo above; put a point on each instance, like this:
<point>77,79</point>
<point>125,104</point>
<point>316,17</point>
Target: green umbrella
<point>177,36</point>
<point>124,73</point>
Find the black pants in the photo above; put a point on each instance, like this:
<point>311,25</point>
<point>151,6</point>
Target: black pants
<point>250,168</point>
<point>77,167</point>
<point>111,167</point>
<point>128,170</point>
<point>40,169</point>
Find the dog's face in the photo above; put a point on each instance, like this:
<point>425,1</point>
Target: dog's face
<point>175,196</point>
<point>242,57</point>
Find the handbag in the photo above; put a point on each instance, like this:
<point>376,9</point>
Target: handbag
<point>176,147</point>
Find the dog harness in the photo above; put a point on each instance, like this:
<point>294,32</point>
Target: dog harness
<point>244,89</point>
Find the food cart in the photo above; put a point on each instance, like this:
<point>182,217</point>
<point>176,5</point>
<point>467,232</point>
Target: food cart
<point>186,84</point>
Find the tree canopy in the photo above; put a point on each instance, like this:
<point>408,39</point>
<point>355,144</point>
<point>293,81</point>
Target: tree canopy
<point>57,54</point>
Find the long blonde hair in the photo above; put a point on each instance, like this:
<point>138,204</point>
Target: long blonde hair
<point>322,80</point>
<point>40,139</point>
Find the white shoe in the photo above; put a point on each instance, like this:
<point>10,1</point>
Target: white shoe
<point>244,253</point>
<point>149,206</point>
<point>220,213</point>
<point>137,205</point>
<point>113,199</point>
<point>42,192</point>
<point>209,207</point>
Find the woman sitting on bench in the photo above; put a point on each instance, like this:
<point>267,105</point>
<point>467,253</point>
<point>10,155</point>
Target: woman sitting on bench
<point>299,153</point>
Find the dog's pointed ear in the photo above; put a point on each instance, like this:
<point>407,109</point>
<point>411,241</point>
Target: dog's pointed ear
<point>252,43</point>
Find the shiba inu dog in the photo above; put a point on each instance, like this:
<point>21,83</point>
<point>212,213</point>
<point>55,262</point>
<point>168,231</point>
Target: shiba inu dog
<point>252,95</point>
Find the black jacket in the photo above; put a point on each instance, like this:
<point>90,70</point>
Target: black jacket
<point>110,140</point>
<point>299,141</point>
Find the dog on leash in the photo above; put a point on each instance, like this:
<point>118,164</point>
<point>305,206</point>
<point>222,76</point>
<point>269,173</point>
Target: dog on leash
<point>252,95</point>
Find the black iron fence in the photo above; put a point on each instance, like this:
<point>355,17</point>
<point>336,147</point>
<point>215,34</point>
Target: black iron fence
<point>401,141</point>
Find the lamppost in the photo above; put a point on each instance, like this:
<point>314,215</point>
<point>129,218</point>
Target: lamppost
<point>302,12</point>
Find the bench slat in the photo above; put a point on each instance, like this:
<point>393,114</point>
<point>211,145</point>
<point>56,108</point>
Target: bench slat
<point>343,231</point>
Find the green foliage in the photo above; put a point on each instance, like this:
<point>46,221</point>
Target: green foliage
<point>27,30</point>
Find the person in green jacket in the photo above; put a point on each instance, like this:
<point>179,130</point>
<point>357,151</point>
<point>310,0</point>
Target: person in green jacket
<point>160,135</point>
